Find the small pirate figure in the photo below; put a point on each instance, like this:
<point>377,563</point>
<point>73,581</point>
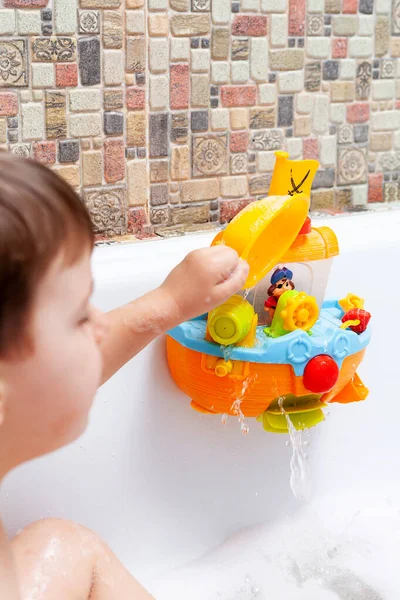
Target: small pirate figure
<point>281,281</point>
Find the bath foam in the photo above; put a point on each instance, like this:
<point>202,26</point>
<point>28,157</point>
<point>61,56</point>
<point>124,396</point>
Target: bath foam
<point>337,550</point>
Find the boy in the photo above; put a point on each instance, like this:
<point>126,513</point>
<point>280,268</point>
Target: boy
<point>56,349</point>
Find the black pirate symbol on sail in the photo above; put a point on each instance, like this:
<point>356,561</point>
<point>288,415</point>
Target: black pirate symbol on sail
<point>296,188</point>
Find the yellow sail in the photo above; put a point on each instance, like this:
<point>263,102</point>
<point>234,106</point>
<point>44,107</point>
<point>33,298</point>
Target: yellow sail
<point>292,177</point>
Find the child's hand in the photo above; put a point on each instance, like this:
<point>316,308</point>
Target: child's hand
<point>205,279</point>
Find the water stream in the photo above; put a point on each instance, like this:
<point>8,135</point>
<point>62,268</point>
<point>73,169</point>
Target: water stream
<point>299,478</point>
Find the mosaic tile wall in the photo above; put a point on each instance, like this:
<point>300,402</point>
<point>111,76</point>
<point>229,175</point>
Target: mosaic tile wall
<point>165,116</point>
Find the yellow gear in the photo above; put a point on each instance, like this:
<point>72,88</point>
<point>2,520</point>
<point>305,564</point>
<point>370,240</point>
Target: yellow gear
<point>301,312</point>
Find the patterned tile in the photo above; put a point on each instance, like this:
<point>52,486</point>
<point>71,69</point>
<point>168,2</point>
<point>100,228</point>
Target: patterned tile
<point>89,21</point>
<point>201,5</point>
<point>13,63</point>
<point>388,69</point>
<point>352,165</point>
<point>23,150</point>
<point>239,163</point>
<point>108,210</point>
<point>363,80</point>
<point>212,130</point>
<point>271,139</point>
<point>388,162</point>
<point>210,155</point>
<point>345,134</point>
<point>396,18</point>
<point>391,191</point>
<point>315,25</point>
<point>54,49</point>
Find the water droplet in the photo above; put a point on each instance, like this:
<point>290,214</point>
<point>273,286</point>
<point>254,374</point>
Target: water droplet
<point>245,429</point>
<point>224,419</point>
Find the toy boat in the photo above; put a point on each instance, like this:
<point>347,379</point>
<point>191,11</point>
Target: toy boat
<point>277,351</point>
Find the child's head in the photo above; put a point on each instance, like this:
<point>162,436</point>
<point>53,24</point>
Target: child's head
<point>50,363</point>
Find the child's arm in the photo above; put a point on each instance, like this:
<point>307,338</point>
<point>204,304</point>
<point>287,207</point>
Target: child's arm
<point>205,279</point>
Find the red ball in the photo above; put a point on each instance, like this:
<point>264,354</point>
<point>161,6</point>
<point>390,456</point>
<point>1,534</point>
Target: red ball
<point>321,374</point>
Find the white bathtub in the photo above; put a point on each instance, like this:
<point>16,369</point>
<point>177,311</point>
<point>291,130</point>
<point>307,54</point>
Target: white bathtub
<point>164,484</point>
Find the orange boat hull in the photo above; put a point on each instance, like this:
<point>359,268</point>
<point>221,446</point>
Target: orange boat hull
<point>259,384</point>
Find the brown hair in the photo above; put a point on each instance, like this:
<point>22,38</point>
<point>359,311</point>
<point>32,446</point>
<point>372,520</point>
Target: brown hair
<point>40,216</point>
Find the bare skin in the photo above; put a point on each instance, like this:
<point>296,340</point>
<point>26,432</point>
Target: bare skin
<point>45,399</point>
<point>8,576</point>
<point>59,559</point>
<point>132,327</point>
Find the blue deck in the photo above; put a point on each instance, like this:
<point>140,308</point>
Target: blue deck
<point>296,348</point>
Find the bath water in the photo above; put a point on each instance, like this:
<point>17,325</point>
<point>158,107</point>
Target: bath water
<point>247,292</point>
<point>299,478</point>
<point>236,405</point>
<point>334,549</point>
<point>227,352</point>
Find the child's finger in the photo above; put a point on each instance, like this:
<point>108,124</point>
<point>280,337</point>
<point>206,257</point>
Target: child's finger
<point>234,282</point>
<point>222,261</point>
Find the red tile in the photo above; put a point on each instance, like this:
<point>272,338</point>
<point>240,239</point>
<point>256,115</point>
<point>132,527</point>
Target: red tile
<point>137,220</point>
<point>239,141</point>
<point>114,160</point>
<point>135,98</point>
<point>146,233</point>
<point>397,104</point>
<point>8,104</point>
<point>375,187</point>
<point>253,26</point>
<point>230,208</point>
<point>179,86</point>
<point>66,75</point>
<point>25,3</point>
<point>310,148</point>
<point>339,47</point>
<point>358,112</point>
<point>45,152</point>
<point>238,95</point>
<point>350,7</point>
<point>297,17</point>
